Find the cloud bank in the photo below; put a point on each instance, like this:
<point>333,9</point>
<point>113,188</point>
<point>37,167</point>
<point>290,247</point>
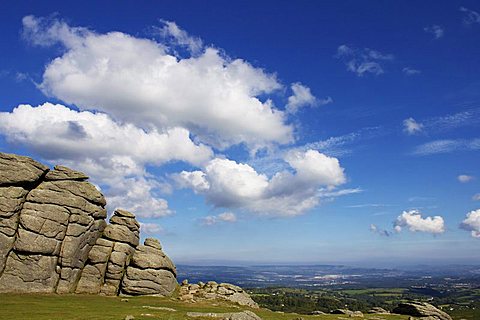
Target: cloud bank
<point>114,154</point>
<point>228,184</point>
<point>142,82</point>
<point>131,103</point>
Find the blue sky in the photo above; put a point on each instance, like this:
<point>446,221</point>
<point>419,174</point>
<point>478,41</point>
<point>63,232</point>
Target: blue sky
<point>260,132</point>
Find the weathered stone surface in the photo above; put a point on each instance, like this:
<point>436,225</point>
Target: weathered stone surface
<point>11,202</point>
<point>109,258</point>
<point>148,281</point>
<point>29,273</point>
<point>150,257</point>
<point>77,194</point>
<point>124,213</point>
<point>214,291</point>
<point>152,242</point>
<point>121,233</point>
<point>150,271</point>
<point>19,170</point>
<point>130,223</point>
<point>421,309</point>
<point>64,173</point>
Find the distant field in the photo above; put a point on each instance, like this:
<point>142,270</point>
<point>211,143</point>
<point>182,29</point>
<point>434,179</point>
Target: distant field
<point>80,307</point>
<point>378,292</point>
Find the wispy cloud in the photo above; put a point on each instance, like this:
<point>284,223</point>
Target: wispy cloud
<point>476,197</point>
<point>446,146</point>
<point>343,145</point>
<point>419,198</point>
<point>443,123</point>
<point>382,232</point>
<point>470,16</point>
<point>410,71</point>
<point>464,178</point>
<point>325,193</point>
<point>411,126</point>
<point>363,61</point>
<point>436,30</point>
<point>336,146</point>
<point>176,36</point>
<point>453,121</point>
<point>151,228</point>
<point>20,76</point>
<point>211,220</point>
<point>369,205</point>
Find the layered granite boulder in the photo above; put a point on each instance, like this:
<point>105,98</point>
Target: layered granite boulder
<point>150,271</point>
<point>54,238</point>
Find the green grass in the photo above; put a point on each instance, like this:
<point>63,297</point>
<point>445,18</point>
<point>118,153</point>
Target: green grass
<point>379,291</point>
<point>79,307</point>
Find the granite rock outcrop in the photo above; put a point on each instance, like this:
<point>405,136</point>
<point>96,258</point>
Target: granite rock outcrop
<point>215,291</point>
<point>422,310</point>
<point>54,237</point>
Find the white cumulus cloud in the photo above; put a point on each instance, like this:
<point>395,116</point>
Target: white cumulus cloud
<point>112,153</point>
<point>140,81</point>
<point>302,97</point>
<point>413,221</point>
<point>226,183</point>
<point>472,223</point>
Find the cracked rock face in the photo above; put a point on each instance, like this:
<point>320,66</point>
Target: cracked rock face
<point>49,226</point>
<point>54,238</point>
<point>111,255</point>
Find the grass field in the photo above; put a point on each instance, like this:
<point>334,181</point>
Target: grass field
<point>76,307</point>
<point>376,291</point>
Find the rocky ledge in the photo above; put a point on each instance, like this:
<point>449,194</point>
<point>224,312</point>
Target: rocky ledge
<point>54,237</point>
<point>214,291</point>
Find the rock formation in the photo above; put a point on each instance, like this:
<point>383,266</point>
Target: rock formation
<point>378,310</point>
<point>150,271</point>
<point>214,291</point>
<point>421,310</point>
<point>54,238</point>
